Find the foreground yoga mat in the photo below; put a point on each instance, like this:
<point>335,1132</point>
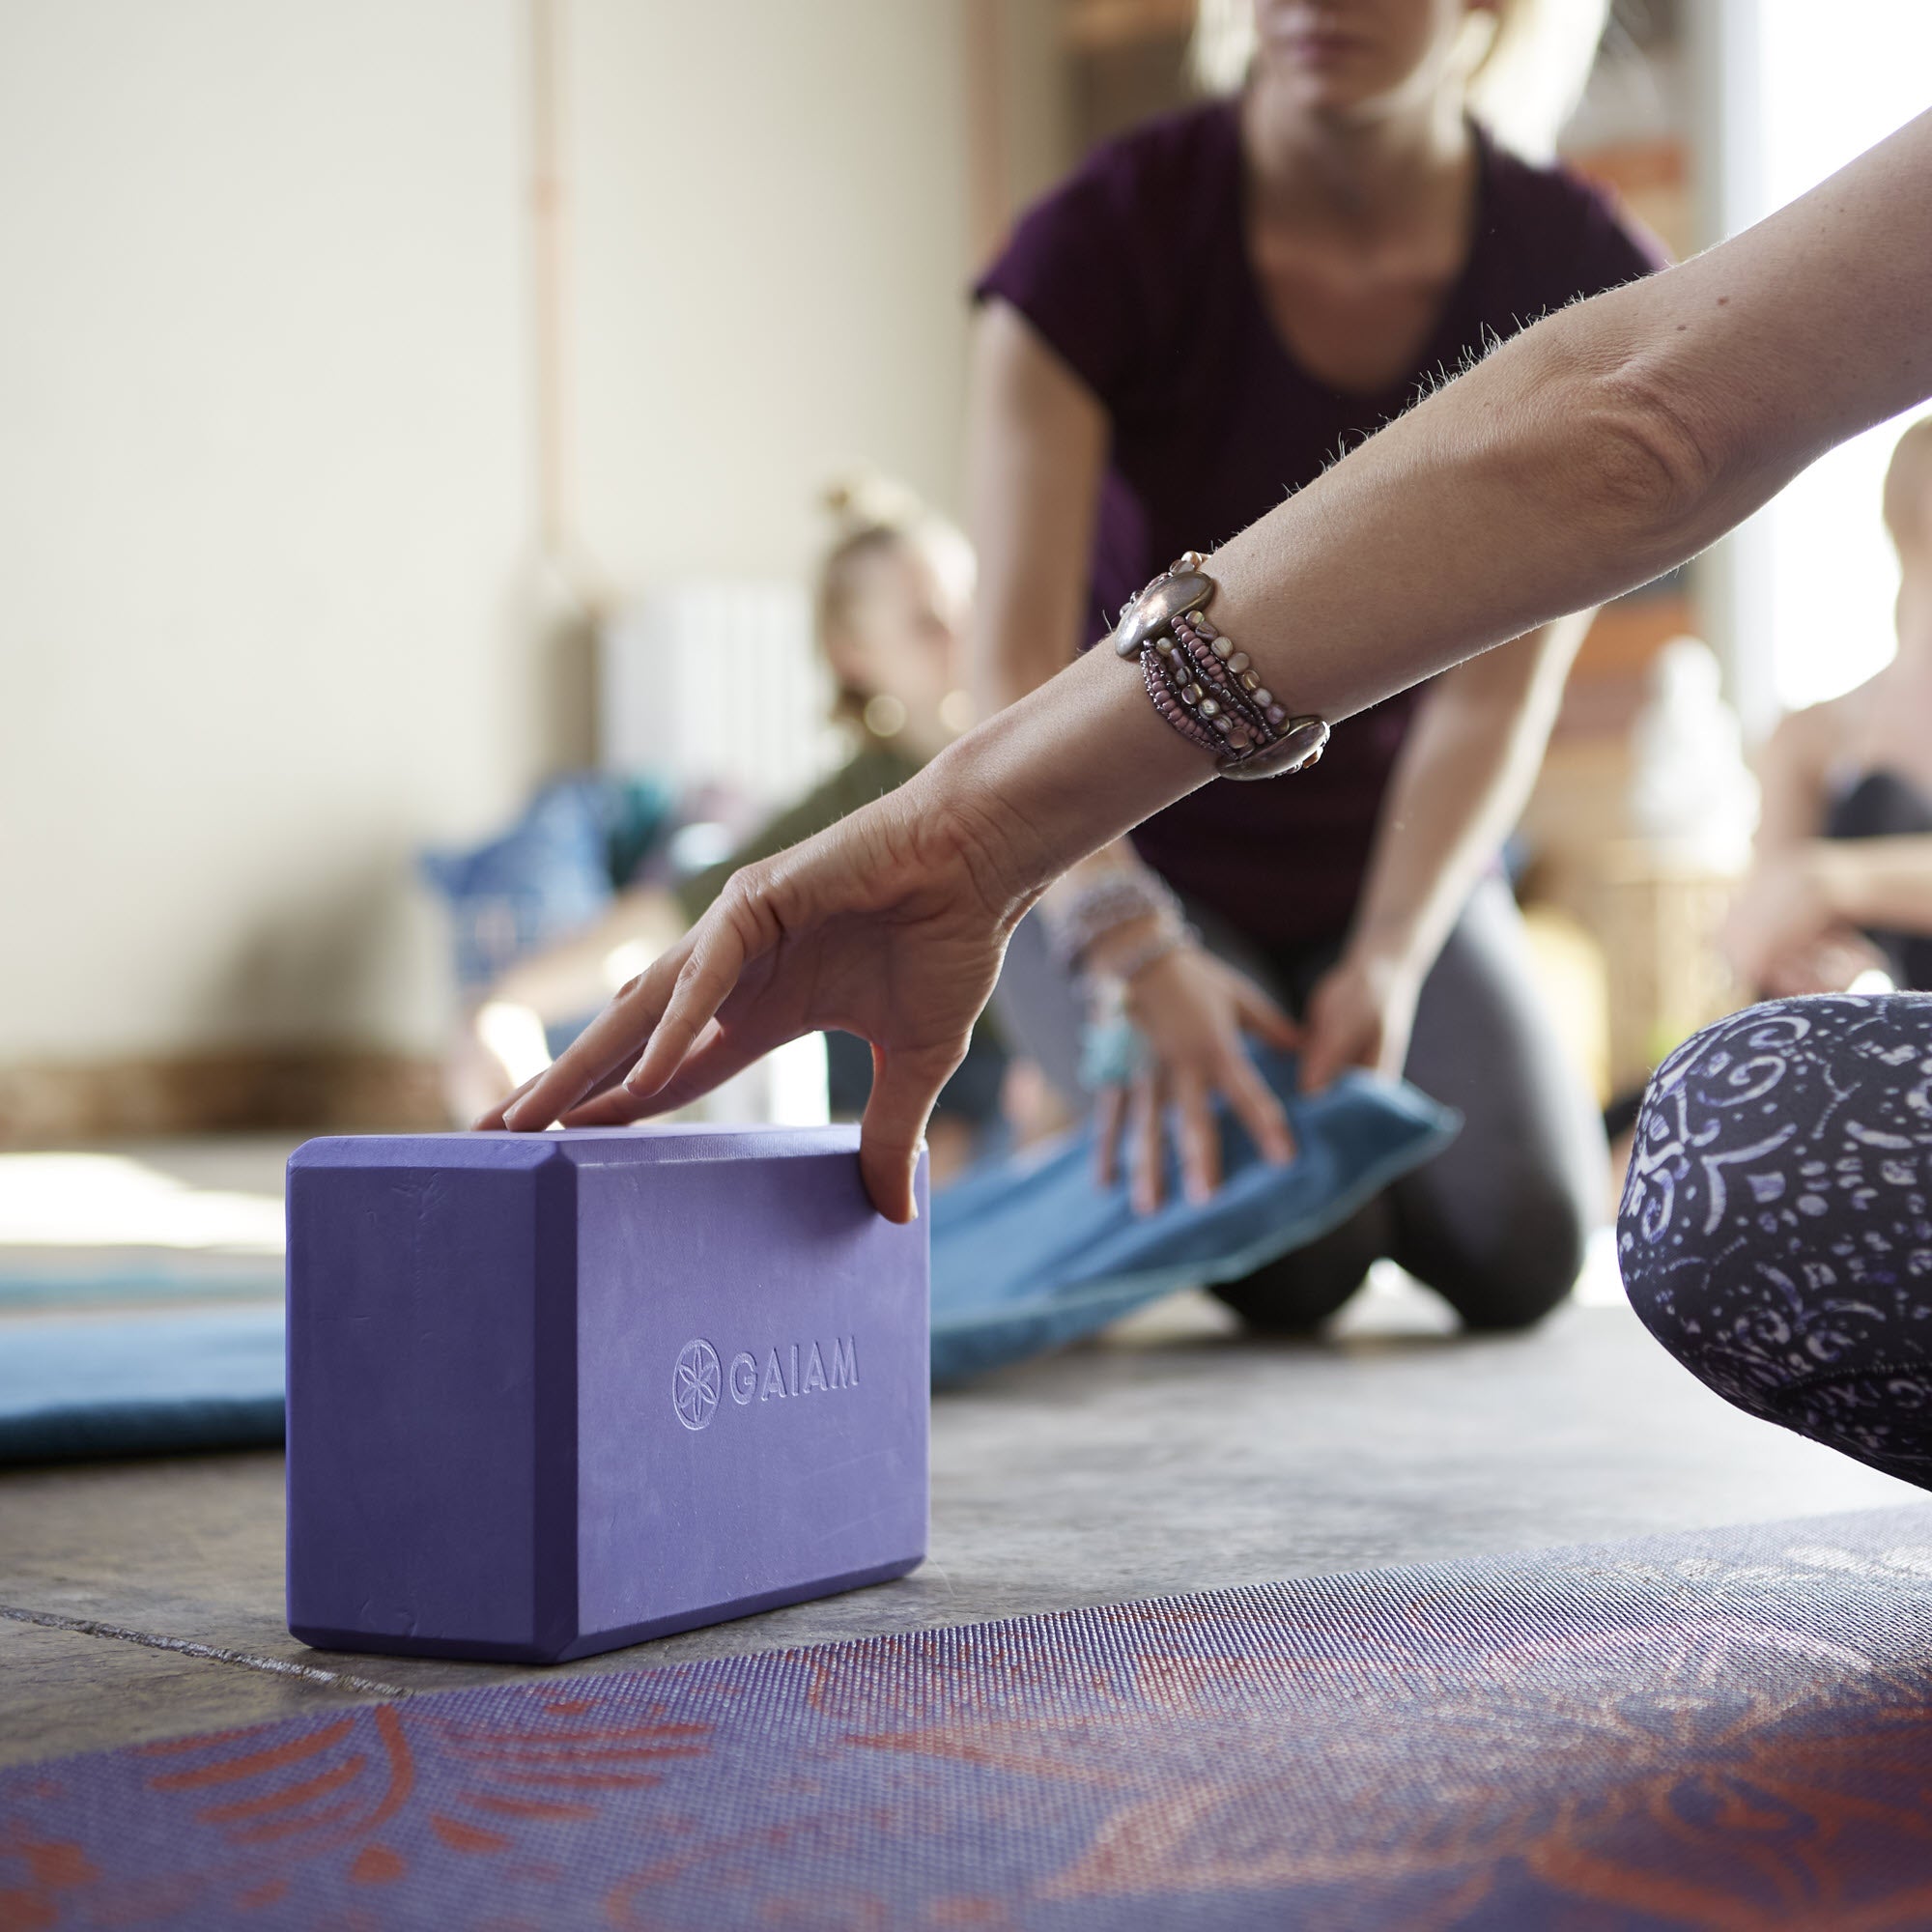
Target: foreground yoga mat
<point>1724,1729</point>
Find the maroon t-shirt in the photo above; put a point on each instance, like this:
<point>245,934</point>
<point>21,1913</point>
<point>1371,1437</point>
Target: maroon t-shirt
<point>1136,271</point>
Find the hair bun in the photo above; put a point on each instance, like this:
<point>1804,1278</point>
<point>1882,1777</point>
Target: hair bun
<point>866,502</point>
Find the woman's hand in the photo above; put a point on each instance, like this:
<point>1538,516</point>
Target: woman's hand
<point>892,926</point>
<point>1833,963</point>
<point>1191,1008</point>
<point>1360,1014</point>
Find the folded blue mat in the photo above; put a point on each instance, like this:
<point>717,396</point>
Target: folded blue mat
<point>1028,1254</point>
<point>115,1386</point>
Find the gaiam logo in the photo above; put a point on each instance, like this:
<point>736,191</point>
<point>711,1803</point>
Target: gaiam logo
<point>695,1384</point>
<point>781,1374</point>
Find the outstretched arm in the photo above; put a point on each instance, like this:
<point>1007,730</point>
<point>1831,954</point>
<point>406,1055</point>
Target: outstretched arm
<point>1589,454</point>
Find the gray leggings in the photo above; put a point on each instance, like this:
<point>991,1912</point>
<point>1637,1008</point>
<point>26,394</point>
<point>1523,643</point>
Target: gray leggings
<point>1496,1222</point>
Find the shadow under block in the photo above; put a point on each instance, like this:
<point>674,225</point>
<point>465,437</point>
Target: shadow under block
<point>552,1394</point>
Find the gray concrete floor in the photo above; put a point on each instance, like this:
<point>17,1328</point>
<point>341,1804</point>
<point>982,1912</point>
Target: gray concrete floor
<point>143,1598</point>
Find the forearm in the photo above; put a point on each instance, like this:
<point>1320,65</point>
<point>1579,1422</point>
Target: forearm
<point>1882,884</point>
<point>1463,778</point>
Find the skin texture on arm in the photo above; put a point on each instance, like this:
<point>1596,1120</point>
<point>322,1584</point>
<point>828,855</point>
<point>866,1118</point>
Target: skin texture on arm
<point>1584,457</point>
<point>1460,782</point>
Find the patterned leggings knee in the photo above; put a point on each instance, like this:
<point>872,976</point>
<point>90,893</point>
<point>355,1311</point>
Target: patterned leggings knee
<point>1775,1234</point>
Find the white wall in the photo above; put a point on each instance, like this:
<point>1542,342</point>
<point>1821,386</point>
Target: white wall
<point>270,617</point>
<point>770,211</point>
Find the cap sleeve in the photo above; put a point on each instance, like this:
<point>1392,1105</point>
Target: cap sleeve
<point>1613,248</point>
<point>1070,267</point>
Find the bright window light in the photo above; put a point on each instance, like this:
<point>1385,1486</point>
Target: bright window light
<point>515,1034</point>
<point>109,1201</point>
<point>1815,575</point>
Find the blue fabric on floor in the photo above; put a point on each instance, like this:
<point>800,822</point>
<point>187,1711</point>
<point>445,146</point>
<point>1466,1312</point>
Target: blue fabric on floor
<point>117,1386</point>
<point>1028,1254</point>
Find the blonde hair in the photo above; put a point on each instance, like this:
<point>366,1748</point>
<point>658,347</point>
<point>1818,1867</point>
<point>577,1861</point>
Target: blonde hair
<point>1524,65</point>
<point>872,515</point>
<point>1907,489</point>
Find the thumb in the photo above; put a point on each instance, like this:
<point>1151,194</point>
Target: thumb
<point>1265,1020</point>
<point>904,1086</point>
<point>1325,1049</point>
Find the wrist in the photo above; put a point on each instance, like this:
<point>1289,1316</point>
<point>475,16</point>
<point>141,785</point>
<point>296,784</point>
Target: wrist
<point>1128,951</point>
<point>1067,770</point>
<point>1394,949</point>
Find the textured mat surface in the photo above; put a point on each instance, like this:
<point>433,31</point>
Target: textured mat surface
<point>1730,1729</point>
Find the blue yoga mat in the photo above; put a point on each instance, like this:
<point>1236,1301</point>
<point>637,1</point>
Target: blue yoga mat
<point>1028,1254</point>
<point>111,1385</point>
<point>75,1283</point>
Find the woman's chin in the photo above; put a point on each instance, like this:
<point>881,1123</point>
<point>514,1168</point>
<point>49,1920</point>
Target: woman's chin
<point>1334,91</point>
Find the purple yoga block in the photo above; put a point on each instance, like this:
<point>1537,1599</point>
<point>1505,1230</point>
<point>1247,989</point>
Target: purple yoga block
<point>554,1393</point>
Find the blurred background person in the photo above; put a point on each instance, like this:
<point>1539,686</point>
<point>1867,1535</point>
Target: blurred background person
<point>1195,323</point>
<point>891,602</point>
<point>1840,894</point>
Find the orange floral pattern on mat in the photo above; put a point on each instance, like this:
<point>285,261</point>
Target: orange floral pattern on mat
<point>1729,1731</point>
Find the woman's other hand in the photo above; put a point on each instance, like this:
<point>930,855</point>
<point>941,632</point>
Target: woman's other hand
<point>890,925</point>
<point>1190,1009</point>
<point>1360,1014</point>
<point>1833,963</point>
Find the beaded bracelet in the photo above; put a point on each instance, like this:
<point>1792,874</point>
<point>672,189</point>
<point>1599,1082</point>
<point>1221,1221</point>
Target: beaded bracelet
<point>1110,900</point>
<point>1206,690</point>
<point>1169,936</point>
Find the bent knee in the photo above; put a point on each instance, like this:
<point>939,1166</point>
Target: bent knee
<point>1530,1269</point>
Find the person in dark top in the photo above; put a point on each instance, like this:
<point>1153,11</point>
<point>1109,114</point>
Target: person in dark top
<point>1196,323</point>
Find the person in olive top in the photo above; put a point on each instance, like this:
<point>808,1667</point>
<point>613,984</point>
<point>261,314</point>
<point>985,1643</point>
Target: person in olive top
<point>894,591</point>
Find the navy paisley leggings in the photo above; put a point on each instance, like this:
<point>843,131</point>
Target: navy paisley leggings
<point>1775,1234</point>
